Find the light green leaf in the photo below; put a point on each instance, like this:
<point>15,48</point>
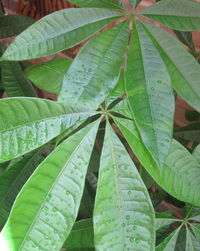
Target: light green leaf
<point>113,4</point>
<point>147,83</point>
<point>196,228</point>
<point>196,153</point>
<point>14,82</point>
<point>123,213</point>
<point>12,180</point>
<point>169,243</point>
<point>48,75</point>
<point>180,174</point>
<point>191,242</point>
<point>81,235</point>
<point>28,123</point>
<point>184,70</point>
<point>95,71</point>
<point>58,31</point>
<point>182,15</point>
<point>47,206</point>
<point>12,25</point>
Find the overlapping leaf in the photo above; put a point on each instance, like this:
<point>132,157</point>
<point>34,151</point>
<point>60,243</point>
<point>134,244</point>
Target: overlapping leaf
<point>12,25</point>
<point>149,93</point>
<point>28,123</point>
<point>14,82</point>
<point>95,71</point>
<point>123,214</point>
<point>47,206</point>
<point>180,15</point>
<point>180,174</point>
<point>48,75</point>
<point>184,70</point>
<point>58,31</point>
<point>113,4</point>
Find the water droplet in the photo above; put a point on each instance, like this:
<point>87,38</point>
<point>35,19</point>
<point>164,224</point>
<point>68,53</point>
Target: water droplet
<point>67,192</point>
<point>55,209</point>
<point>90,69</point>
<point>131,239</point>
<point>159,81</point>
<point>128,217</point>
<point>134,228</point>
<point>152,88</point>
<point>129,192</point>
<point>123,225</point>
<point>137,240</point>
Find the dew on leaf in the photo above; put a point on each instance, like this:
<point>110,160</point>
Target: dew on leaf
<point>128,217</point>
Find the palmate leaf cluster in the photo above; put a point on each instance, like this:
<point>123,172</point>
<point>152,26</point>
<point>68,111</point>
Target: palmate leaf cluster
<point>122,82</point>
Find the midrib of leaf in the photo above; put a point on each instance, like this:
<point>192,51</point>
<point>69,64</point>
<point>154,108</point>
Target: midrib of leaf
<point>116,180</point>
<point>45,119</point>
<point>149,99</point>
<point>49,191</point>
<point>93,76</point>
<point>169,58</point>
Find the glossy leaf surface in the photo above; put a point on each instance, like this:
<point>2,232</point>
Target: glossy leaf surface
<point>38,122</point>
<point>14,82</point>
<point>12,180</point>
<point>149,93</point>
<point>47,206</point>
<point>12,25</point>
<point>184,70</point>
<point>48,75</point>
<point>180,173</point>
<point>113,4</point>
<point>123,214</point>
<point>95,71</point>
<point>81,235</point>
<point>58,31</point>
<point>182,15</point>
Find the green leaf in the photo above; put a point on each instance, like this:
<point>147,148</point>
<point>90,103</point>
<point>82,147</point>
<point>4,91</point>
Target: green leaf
<point>135,3</point>
<point>196,153</point>
<point>47,206</point>
<point>180,173</point>
<point>184,70</point>
<point>169,243</point>
<point>123,213</point>
<point>190,132</point>
<point>182,15</point>
<point>12,25</point>
<point>191,242</point>
<point>95,72</point>
<point>48,75</point>
<point>28,123</point>
<point>147,83</point>
<point>58,31</point>
<point>12,180</point>
<point>81,235</point>
<point>113,4</point>
<point>186,38</point>
<point>14,82</point>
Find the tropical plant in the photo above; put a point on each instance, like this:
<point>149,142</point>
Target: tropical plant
<point>73,157</point>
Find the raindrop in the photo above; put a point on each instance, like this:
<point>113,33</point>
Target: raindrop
<point>123,225</point>
<point>134,228</point>
<point>152,88</point>
<point>159,81</point>
<point>129,192</point>
<point>128,217</point>
<point>131,239</point>
<point>137,240</point>
<point>90,69</point>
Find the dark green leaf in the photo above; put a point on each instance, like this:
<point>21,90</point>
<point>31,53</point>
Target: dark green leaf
<point>182,15</point>
<point>170,242</point>
<point>95,72</point>
<point>113,4</point>
<point>190,132</point>
<point>149,92</point>
<point>48,75</point>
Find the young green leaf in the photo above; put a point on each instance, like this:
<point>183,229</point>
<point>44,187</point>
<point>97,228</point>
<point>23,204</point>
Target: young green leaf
<point>47,206</point>
<point>14,82</point>
<point>192,243</point>
<point>182,15</point>
<point>12,180</point>
<point>147,83</point>
<point>95,71</point>
<point>169,243</point>
<point>112,4</point>
<point>38,122</point>
<point>196,153</point>
<point>48,75</point>
<point>164,219</point>
<point>123,213</point>
<point>81,235</point>
<point>12,25</point>
<point>180,173</point>
<point>184,70</point>
<point>58,31</point>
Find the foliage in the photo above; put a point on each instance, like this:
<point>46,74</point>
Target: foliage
<point>79,172</point>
